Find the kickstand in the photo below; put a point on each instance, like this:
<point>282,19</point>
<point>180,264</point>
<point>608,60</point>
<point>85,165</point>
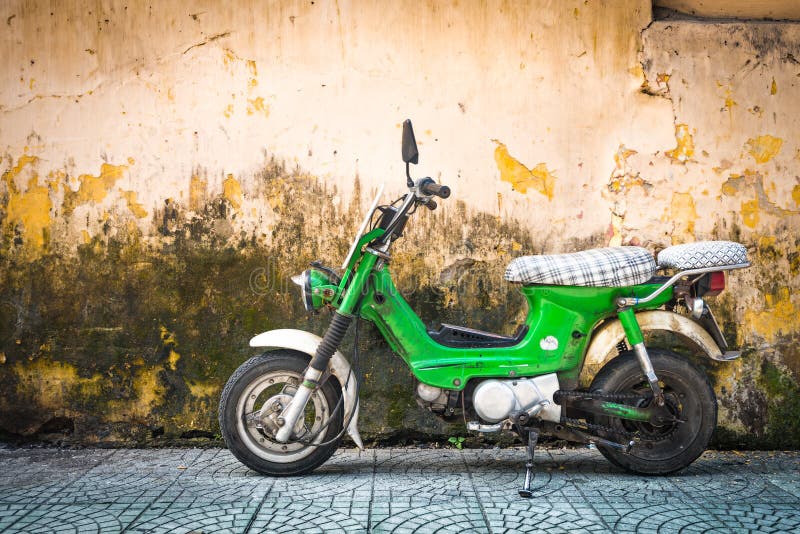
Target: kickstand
<point>533,437</point>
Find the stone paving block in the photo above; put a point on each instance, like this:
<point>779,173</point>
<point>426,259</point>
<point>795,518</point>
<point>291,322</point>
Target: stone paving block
<point>462,515</point>
<point>11,514</point>
<point>420,476</point>
<point>308,517</point>
<point>710,516</point>
<point>86,518</point>
<point>196,491</point>
<point>207,519</point>
<point>109,489</point>
<point>534,515</point>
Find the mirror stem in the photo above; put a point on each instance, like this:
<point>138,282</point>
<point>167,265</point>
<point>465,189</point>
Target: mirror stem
<point>409,181</point>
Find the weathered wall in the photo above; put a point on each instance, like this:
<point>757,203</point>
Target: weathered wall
<point>166,167</point>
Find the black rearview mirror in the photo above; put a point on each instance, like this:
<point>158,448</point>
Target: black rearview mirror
<point>410,153</point>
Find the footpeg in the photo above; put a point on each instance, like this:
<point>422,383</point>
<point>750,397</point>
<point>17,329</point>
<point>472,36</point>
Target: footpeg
<point>533,437</point>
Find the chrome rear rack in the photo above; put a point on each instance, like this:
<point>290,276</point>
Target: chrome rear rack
<point>633,301</point>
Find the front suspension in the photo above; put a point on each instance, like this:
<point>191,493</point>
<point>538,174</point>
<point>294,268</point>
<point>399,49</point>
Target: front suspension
<point>319,363</point>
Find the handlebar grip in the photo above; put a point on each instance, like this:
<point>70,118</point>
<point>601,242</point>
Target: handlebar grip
<point>431,205</point>
<point>432,188</point>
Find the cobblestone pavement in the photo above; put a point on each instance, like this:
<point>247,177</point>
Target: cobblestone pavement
<point>391,490</point>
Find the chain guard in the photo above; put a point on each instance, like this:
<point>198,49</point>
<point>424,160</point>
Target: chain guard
<point>619,434</point>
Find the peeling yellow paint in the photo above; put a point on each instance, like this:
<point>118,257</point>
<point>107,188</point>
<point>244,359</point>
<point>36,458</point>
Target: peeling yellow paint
<point>257,105</point>
<point>52,383</point>
<point>197,192</point>
<point>251,66</point>
<point>29,210</point>
<point>86,237</point>
<point>773,90</point>
<point>796,194</point>
<point>622,178</point>
<point>173,359</point>
<point>228,111</point>
<point>779,316</point>
<point>93,188</point>
<point>765,242</point>
<point>149,394</point>
<point>229,57</point>
<point>685,147</point>
<point>683,214</point>
<point>750,213</point>
<point>167,337</point>
<point>136,208</point>
<point>729,101</point>
<point>731,186</point>
<point>232,191</point>
<point>203,389</point>
<point>764,147</point>
<point>521,177</point>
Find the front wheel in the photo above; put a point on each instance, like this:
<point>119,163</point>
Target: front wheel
<point>659,450</point>
<point>270,380</point>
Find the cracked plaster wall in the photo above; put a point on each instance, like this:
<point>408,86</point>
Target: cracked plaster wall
<point>165,167</point>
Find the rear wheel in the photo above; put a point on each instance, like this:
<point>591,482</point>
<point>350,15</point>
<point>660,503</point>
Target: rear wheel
<point>270,380</point>
<point>659,450</point>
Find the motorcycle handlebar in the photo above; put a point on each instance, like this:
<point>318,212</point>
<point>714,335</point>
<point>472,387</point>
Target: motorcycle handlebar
<point>429,187</point>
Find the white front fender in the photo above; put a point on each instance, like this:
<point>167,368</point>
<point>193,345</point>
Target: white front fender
<point>605,339</point>
<point>289,338</point>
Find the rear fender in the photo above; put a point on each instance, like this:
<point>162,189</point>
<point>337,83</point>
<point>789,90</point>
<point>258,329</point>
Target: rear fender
<point>603,346</point>
<point>299,340</point>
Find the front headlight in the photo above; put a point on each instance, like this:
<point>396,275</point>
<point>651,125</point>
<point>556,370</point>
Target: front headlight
<point>316,288</point>
<point>304,281</point>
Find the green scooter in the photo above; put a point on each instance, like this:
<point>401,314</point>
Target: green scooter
<point>649,411</point>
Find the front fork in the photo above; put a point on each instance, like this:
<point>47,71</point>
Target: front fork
<point>342,318</point>
<point>636,339</point>
<point>311,380</point>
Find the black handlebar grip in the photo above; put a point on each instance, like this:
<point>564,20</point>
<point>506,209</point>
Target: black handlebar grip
<point>432,188</point>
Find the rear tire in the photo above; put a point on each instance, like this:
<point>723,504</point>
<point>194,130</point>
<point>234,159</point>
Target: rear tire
<point>667,449</point>
<point>262,378</point>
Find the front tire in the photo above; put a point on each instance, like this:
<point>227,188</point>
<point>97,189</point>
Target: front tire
<point>270,377</point>
<point>667,449</point>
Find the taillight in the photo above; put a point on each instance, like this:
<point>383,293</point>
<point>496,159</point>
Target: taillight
<point>716,283</point>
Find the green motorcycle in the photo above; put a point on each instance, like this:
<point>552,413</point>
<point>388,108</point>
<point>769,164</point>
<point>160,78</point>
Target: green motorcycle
<point>648,411</point>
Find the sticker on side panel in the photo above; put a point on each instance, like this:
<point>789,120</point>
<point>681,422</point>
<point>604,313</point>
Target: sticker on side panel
<point>549,343</point>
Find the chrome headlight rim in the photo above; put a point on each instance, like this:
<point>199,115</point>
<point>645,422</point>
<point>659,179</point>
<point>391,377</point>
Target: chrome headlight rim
<point>304,281</point>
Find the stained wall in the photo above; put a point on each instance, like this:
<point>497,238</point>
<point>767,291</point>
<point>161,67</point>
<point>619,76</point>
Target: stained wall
<point>166,167</point>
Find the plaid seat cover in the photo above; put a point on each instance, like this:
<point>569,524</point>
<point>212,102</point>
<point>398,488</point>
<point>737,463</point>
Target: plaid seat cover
<point>600,267</point>
<point>702,254</point>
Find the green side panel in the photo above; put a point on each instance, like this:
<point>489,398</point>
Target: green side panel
<point>560,321</point>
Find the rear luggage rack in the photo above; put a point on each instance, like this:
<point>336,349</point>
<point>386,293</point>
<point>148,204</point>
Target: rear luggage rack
<point>633,301</point>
